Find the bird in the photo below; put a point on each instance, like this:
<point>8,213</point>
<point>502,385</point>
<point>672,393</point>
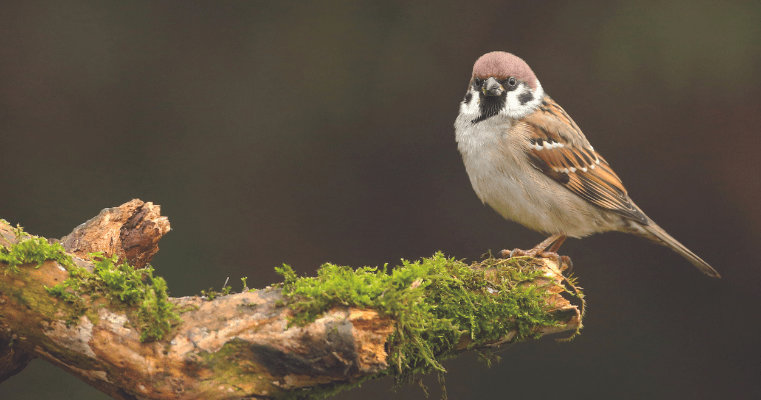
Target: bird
<point>529,161</point>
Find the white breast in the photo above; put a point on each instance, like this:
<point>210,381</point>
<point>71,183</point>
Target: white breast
<point>494,154</point>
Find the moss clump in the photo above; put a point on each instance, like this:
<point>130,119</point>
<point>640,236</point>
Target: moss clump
<point>211,294</point>
<point>439,305</point>
<point>34,250</point>
<point>122,285</point>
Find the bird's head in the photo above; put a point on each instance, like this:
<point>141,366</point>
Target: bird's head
<point>501,84</point>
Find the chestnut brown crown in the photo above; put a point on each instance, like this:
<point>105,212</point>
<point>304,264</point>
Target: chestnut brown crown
<point>502,65</point>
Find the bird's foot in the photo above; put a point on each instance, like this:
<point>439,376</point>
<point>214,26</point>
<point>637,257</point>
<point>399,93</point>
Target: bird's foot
<point>539,253</point>
<point>553,242</point>
<point>520,253</point>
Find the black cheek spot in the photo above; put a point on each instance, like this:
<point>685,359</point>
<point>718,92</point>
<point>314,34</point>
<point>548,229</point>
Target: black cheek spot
<point>468,97</point>
<point>532,141</point>
<point>525,97</point>
<point>540,142</point>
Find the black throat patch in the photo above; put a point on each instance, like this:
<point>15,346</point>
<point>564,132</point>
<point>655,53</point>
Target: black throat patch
<point>490,106</point>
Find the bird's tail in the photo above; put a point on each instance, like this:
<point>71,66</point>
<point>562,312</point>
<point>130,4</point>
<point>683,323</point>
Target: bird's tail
<point>654,232</point>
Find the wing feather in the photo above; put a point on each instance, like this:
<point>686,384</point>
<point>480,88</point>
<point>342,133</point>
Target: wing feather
<point>559,149</point>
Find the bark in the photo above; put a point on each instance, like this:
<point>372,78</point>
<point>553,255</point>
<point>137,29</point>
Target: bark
<point>234,346</point>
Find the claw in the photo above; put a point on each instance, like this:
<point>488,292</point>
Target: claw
<point>539,252</point>
<point>550,255</point>
<point>514,253</point>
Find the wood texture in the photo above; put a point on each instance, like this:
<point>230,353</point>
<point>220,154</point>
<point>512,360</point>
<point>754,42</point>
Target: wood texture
<point>232,347</point>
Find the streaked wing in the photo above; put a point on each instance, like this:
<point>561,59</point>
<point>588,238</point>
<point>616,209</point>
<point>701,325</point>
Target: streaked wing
<point>559,149</point>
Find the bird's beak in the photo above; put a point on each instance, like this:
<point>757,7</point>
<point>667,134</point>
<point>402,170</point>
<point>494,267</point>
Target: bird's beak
<point>492,88</point>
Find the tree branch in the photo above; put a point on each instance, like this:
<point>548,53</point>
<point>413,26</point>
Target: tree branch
<point>82,313</point>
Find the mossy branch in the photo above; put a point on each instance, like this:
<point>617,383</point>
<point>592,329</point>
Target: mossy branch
<point>91,305</point>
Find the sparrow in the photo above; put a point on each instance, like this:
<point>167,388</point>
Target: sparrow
<point>528,160</point>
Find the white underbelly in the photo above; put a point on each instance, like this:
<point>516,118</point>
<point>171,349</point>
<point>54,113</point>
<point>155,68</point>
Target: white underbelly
<point>521,193</point>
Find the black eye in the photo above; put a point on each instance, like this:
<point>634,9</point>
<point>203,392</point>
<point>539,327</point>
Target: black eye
<point>511,82</point>
<point>477,82</point>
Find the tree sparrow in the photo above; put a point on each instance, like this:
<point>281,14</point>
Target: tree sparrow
<point>529,161</point>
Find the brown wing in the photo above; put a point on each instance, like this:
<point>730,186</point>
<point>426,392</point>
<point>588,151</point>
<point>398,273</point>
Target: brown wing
<point>559,149</point>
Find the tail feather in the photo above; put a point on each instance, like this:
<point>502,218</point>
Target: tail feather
<point>654,232</point>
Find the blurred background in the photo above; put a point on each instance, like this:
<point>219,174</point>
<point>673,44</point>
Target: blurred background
<point>285,132</point>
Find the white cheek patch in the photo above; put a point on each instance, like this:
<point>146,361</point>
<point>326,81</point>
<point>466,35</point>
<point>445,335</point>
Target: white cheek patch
<point>471,107</point>
<point>512,102</point>
<point>513,107</point>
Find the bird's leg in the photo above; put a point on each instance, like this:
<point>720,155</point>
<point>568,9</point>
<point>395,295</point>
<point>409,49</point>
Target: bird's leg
<point>556,246</point>
<point>553,242</point>
<point>553,252</point>
<point>537,250</point>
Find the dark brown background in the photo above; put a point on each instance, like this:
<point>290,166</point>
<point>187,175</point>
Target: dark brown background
<point>277,132</point>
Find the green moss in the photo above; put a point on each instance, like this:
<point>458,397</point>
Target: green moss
<point>121,284</point>
<point>436,303</point>
<point>34,250</point>
<point>137,290</point>
<point>212,294</point>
